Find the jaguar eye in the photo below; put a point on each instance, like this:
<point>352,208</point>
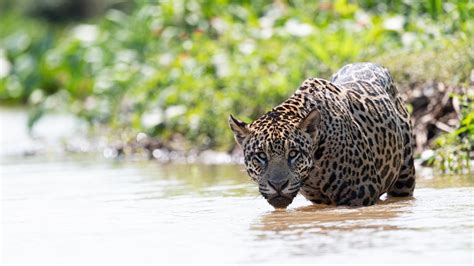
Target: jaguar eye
<point>292,154</point>
<point>262,156</point>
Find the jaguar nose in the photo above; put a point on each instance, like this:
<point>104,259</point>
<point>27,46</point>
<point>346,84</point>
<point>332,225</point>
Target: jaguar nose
<point>278,186</point>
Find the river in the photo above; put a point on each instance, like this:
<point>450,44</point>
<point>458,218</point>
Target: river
<point>87,209</point>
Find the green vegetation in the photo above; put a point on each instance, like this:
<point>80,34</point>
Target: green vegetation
<point>453,149</point>
<point>177,69</point>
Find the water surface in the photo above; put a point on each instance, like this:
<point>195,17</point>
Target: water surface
<point>98,211</point>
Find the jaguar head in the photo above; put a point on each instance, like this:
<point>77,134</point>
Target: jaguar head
<point>278,152</point>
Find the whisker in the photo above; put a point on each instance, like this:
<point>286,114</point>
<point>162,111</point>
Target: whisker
<point>295,186</point>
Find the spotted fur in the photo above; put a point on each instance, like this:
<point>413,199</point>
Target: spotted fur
<point>352,138</point>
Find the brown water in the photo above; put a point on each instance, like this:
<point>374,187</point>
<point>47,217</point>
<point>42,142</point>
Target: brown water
<point>97,211</point>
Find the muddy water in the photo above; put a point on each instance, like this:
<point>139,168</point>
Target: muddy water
<point>91,210</point>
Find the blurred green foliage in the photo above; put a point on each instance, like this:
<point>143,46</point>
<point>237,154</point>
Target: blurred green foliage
<point>179,68</point>
<point>452,149</point>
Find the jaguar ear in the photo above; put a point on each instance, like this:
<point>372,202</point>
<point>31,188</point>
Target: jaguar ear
<point>310,123</point>
<point>240,129</point>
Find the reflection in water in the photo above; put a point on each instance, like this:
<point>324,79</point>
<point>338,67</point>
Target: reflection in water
<point>320,230</point>
<point>321,218</point>
<point>394,230</point>
<point>83,211</point>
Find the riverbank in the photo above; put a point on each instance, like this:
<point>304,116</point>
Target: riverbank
<point>61,136</point>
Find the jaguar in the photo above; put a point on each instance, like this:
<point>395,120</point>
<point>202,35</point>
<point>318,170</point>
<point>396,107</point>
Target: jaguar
<point>346,141</point>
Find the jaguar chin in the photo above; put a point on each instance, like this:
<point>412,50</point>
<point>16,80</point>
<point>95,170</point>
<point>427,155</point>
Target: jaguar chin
<point>280,201</point>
